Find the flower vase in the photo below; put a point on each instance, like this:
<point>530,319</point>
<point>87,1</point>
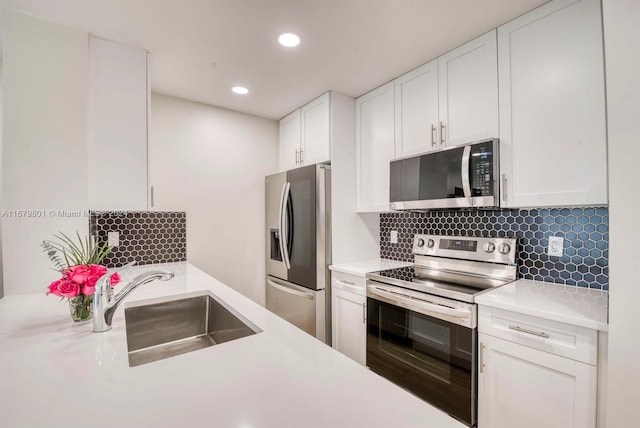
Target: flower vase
<point>81,308</point>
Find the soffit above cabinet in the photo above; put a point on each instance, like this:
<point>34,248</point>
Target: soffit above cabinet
<point>349,46</point>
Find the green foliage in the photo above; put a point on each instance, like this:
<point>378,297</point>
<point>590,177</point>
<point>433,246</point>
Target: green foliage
<point>78,252</point>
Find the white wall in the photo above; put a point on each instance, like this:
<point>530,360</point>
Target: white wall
<point>622,56</point>
<point>211,163</point>
<point>1,204</point>
<point>43,138</point>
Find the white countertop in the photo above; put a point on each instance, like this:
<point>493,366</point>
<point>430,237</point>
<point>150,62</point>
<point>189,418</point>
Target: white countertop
<point>584,307</point>
<point>55,373</point>
<point>363,267</point>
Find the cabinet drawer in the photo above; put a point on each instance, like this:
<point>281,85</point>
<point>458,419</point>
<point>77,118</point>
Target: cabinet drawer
<point>577,343</point>
<point>352,283</point>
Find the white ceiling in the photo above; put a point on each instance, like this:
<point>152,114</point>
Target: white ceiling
<point>200,48</point>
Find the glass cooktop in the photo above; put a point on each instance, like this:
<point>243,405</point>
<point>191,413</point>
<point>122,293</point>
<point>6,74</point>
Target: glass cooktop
<point>415,278</point>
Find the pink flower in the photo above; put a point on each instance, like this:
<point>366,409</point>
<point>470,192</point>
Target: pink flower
<point>88,290</point>
<point>115,279</point>
<point>77,274</point>
<point>64,288</point>
<point>95,273</point>
<point>80,279</point>
<point>97,270</point>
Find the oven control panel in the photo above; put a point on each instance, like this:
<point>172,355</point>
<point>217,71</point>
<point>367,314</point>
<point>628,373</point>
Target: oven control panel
<point>496,250</point>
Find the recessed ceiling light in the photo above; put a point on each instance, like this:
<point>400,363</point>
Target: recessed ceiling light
<point>240,90</point>
<point>289,40</point>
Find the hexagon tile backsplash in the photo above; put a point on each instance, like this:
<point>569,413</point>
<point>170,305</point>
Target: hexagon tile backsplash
<point>585,230</point>
<point>148,237</point>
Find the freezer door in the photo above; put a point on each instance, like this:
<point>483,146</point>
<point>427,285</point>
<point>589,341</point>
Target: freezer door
<point>275,253</point>
<point>304,308</point>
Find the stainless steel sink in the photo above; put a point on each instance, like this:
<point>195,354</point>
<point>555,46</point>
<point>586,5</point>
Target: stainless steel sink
<point>166,327</point>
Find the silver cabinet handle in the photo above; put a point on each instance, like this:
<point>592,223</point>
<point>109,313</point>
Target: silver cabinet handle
<point>364,313</point>
<point>433,135</point>
<point>504,187</point>
<point>442,130</point>
<point>343,282</point>
<point>481,357</point>
<point>151,197</point>
<point>290,290</point>
<point>301,157</point>
<point>524,330</point>
<point>297,157</point>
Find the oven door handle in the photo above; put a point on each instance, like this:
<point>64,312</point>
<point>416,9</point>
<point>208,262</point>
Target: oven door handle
<point>421,303</point>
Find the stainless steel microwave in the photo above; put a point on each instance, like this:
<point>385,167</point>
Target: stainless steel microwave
<point>456,177</point>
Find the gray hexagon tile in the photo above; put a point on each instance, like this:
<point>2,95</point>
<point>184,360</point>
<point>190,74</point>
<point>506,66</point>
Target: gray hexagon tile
<point>148,237</point>
<point>585,230</point>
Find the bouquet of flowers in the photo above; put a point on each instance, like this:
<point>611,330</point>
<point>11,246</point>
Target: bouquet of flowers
<point>79,264</point>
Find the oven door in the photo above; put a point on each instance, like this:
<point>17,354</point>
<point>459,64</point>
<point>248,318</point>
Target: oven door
<point>430,357</point>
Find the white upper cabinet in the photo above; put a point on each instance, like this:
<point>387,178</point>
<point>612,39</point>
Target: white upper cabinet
<point>449,101</point>
<point>305,134</point>
<point>552,106</point>
<point>290,141</point>
<point>315,145</point>
<point>468,92</point>
<point>117,126</point>
<point>416,110</point>
<point>374,148</point>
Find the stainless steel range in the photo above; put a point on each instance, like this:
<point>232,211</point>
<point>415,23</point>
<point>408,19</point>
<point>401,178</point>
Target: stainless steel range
<point>422,320</point>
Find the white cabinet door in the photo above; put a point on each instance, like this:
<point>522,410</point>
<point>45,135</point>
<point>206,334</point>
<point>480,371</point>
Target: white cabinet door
<point>552,106</point>
<point>117,126</point>
<point>290,141</point>
<point>523,387</point>
<point>315,146</point>
<point>468,92</point>
<point>416,110</point>
<point>374,148</point>
<point>348,321</point>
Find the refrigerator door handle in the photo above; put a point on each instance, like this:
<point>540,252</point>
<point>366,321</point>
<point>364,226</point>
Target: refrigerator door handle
<point>290,290</point>
<point>284,250</point>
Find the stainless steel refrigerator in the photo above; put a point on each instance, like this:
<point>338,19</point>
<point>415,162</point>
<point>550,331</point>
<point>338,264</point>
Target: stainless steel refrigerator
<point>298,238</point>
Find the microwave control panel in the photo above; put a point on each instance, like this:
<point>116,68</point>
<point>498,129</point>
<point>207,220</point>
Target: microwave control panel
<point>481,169</point>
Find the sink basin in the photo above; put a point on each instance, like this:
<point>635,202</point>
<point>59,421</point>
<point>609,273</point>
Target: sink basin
<point>166,327</point>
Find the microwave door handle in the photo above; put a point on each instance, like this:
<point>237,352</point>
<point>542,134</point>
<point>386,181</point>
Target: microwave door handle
<point>465,171</point>
<point>284,250</point>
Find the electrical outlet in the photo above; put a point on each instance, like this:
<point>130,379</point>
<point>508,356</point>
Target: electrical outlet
<point>556,244</point>
<point>394,237</point>
<point>113,239</point>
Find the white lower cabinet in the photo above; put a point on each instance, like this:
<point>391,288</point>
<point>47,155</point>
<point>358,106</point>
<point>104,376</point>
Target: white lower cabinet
<point>348,316</point>
<point>524,383</point>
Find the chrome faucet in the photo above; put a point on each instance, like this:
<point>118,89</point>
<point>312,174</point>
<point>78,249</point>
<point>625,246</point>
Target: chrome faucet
<point>105,303</point>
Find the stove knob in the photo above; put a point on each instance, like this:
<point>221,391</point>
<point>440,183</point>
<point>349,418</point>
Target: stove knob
<point>430,243</point>
<point>504,248</point>
<point>489,247</point>
<point>420,242</point>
